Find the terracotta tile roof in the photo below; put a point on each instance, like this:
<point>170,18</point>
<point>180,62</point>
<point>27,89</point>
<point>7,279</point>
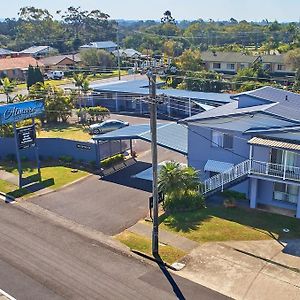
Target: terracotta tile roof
<point>18,63</point>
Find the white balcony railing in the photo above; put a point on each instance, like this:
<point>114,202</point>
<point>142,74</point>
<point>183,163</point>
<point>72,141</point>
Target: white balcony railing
<point>251,167</point>
<point>275,170</point>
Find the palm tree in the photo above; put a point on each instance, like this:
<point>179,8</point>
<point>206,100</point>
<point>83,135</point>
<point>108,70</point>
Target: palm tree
<point>171,178</point>
<point>8,87</point>
<point>79,81</point>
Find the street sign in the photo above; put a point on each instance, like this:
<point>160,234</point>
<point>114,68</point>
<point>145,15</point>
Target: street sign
<point>161,198</point>
<point>15,112</point>
<point>26,137</point>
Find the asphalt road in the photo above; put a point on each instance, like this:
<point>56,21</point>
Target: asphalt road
<point>40,260</point>
<point>109,205</point>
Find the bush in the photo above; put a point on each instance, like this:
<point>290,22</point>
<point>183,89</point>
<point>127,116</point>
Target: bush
<point>234,195</point>
<point>105,163</point>
<point>188,201</point>
<point>66,159</point>
<point>11,157</point>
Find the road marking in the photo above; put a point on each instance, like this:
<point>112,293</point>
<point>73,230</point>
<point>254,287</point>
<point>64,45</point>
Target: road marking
<point>7,295</point>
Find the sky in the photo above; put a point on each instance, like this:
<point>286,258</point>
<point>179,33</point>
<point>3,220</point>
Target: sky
<point>250,10</point>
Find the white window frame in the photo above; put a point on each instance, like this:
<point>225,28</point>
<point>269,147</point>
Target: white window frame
<point>218,138</point>
<point>230,66</point>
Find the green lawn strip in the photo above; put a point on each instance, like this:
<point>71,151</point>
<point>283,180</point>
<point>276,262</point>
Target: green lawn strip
<point>137,242</point>
<point>65,131</point>
<point>222,224</point>
<point>13,190</point>
<point>60,174</point>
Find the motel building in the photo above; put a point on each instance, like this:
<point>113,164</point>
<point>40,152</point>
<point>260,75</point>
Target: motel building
<point>251,145</point>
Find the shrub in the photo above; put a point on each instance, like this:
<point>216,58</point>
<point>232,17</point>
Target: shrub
<point>105,163</point>
<point>66,158</point>
<point>234,195</point>
<point>11,157</point>
<point>188,201</point>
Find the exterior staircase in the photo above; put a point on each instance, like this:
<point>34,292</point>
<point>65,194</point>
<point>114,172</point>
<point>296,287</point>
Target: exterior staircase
<point>241,171</point>
<point>230,177</point>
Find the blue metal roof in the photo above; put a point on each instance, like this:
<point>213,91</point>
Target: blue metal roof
<point>169,135</point>
<point>141,87</point>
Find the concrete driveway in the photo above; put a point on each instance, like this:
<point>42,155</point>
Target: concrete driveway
<point>250,270</point>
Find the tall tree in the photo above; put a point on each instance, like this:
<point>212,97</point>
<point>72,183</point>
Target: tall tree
<point>8,87</point>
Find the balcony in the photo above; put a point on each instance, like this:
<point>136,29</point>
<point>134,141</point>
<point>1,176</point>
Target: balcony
<point>279,171</point>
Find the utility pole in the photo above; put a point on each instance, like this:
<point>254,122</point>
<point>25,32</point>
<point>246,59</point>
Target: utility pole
<point>153,125</point>
<point>118,42</point>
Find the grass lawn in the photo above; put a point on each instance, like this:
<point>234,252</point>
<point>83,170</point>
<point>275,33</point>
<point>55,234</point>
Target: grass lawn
<point>225,224</point>
<point>137,242</point>
<point>53,177</point>
<point>61,175</point>
<point>65,131</point>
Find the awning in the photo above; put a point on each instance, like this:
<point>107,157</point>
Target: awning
<point>205,107</point>
<point>274,143</point>
<point>169,135</point>
<point>217,166</point>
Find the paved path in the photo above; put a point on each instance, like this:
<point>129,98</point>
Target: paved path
<point>40,259</point>
<point>248,270</point>
<point>9,177</point>
<point>165,237</point>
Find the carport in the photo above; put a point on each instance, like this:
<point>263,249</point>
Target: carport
<point>172,136</point>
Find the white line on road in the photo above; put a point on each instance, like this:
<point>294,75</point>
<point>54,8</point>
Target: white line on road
<point>7,295</point>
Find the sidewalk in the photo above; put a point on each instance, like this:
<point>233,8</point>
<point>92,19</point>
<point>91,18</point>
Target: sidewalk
<point>9,177</point>
<point>248,270</point>
<point>165,237</point>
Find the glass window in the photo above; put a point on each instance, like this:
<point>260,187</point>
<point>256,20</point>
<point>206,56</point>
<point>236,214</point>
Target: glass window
<point>217,139</point>
<point>285,192</point>
<point>228,141</point>
<point>280,67</point>
<point>216,65</point>
<point>230,66</point>
<point>223,140</point>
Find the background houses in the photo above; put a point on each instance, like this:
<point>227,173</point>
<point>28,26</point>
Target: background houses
<point>232,62</point>
<point>17,67</point>
<point>61,61</point>
<point>108,46</point>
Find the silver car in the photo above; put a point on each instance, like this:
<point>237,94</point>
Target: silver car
<point>107,126</point>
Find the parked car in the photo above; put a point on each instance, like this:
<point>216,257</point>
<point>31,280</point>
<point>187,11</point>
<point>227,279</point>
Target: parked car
<point>107,126</point>
<point>54,75</point>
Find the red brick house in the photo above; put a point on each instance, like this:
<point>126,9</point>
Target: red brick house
<point>17,67</point>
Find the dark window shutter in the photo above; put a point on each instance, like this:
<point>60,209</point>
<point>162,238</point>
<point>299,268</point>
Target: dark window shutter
<point>228,141</point>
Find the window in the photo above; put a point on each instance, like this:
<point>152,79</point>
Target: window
<point>285,192</point>
<point>243,66</point>
<point>223,140</point>
<point>216,66</point>
<point>280,67</point>
<point>230,66</point>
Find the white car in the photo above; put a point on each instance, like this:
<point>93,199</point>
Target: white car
<point>107,126</point>
<point>55,75</point>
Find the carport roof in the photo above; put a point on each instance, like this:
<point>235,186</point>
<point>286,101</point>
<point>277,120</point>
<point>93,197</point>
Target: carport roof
<point>169,135</point>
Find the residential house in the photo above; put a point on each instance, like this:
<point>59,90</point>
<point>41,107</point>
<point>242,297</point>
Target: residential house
<point>128,53</point>
<point>37,51</point>
<point>108,46</point>
<point>251,145</point>
<point>60,61</point>
<point>128,96</point>
<point>276,65</point>
<point>232,62</point>
<point>6,52</point>
<point>226,62</point>
<point>17,67</point>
